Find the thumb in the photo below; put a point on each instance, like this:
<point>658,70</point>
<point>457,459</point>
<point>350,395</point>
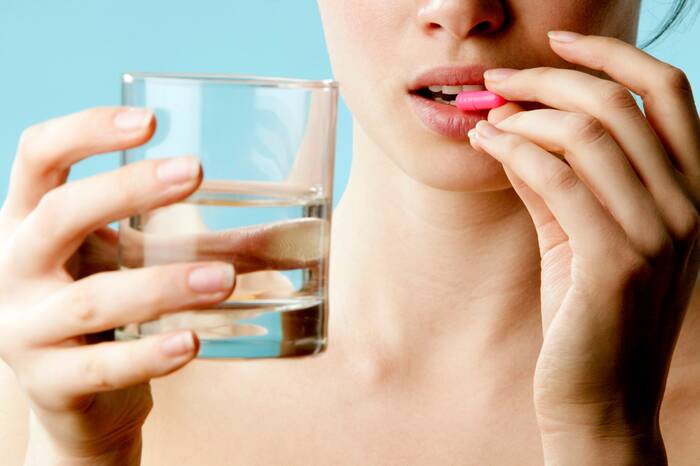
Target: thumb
<point>499,114</point>
<point>496,116</point>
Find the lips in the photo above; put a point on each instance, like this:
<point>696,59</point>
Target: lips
<point>433,106</point>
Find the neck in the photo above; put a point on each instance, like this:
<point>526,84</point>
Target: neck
<point>416,267</point>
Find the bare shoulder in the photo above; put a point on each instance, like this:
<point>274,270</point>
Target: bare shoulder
<point>680,413</point>
<point>13,418</point>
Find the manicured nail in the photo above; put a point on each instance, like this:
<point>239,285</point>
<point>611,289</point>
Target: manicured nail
<point>212,278</point>
<point>178,344</point>
<point>564,36</point>
<point>133,118</point>
<point>471,133</point>
<point>178,170</point>
<point>498,74</point>
<point>486,130</point>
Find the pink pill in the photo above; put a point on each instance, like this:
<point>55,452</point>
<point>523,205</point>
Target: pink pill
<point>471,101</point>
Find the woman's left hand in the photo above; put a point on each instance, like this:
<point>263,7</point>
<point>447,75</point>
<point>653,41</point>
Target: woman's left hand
<point>617,225</point>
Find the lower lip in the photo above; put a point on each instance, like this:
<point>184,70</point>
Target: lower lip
<point>445,119</point>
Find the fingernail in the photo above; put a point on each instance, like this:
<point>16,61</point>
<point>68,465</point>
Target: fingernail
<point>564,36</point>
<point>471,133</point>
<point>178,169</point>
<point>133,118</point>
<point>178,344</point>
<point>211,278</point>
<point>486,130</point>
<point>498,74</point>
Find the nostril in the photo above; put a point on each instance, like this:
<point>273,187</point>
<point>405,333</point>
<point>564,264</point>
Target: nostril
<point>483,26</point>
<point>480,28</point>
<point>459,18</point>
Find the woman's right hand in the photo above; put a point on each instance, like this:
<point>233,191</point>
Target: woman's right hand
<point>89,401</point>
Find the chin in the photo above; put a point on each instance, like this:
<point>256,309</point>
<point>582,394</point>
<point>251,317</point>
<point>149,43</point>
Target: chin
<point>458,169</point>
<point>443,162</point>
<point>440,162</point>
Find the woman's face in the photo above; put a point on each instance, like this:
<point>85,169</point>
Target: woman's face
<point>385,53</point>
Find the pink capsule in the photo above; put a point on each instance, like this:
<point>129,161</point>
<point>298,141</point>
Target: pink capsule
<point>471,101</point>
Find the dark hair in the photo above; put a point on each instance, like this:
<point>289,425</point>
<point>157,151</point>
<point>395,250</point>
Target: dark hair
<point>678,12</point>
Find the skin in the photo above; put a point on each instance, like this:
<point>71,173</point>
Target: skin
<point>549,342</point>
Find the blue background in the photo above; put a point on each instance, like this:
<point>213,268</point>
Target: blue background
<point>60,56</point>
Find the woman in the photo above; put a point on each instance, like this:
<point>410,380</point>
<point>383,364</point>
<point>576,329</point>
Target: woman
<point>451,291</point>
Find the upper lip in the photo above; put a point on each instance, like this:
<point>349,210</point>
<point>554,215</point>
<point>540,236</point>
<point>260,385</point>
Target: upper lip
<point>449,76</point>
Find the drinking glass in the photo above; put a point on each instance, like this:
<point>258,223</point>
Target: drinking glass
<point>267,148</point>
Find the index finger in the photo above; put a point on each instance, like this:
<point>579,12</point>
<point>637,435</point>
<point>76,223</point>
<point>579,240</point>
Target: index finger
<point>47,150</point>
<point>665,90</point>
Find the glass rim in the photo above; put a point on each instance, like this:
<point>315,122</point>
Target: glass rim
<point>239,79</point>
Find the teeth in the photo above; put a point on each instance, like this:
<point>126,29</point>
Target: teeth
<point>447,94</point>
<point>454,90</point>
<point>451,90</point>
<point>443,101</point>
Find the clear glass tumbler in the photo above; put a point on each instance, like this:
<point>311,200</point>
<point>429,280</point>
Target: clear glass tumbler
<point>267,150</point>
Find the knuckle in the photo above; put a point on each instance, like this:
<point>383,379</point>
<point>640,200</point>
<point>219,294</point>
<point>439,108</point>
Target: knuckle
<point>14,257</point>
<point>27,378</point>
<point>687,230</point>
<point>133,365</point>
<point>627,267</point>
<point>616,96</point>
<point>675,79</point>
<point>585,128</point>
<point>129,181</point>
<point>142,370</point>
<point>30,150</point>
<point>47,215</point>
<point>95,120</point>
<point>92,114</point>
<point>124,195</point>
<point>94,375</point>
<point>83,307</point>
<point>539,72</point>
<point>511,120</point>
<point>635,267</point>
<point>562,178</point>
<point>49,202</point>
<point>604,43</point>
<point>156,295</point>
<point>518,183</point>
<point>537,75</point>
<point>514,144</point>
<point>660,248</point>
<point>10,332</point>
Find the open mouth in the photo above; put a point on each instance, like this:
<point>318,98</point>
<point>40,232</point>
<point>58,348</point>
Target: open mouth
<point>433,94</point>
<point>445,94</point>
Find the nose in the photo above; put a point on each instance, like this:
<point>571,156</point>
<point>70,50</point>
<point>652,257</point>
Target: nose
<point>461,18</point>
